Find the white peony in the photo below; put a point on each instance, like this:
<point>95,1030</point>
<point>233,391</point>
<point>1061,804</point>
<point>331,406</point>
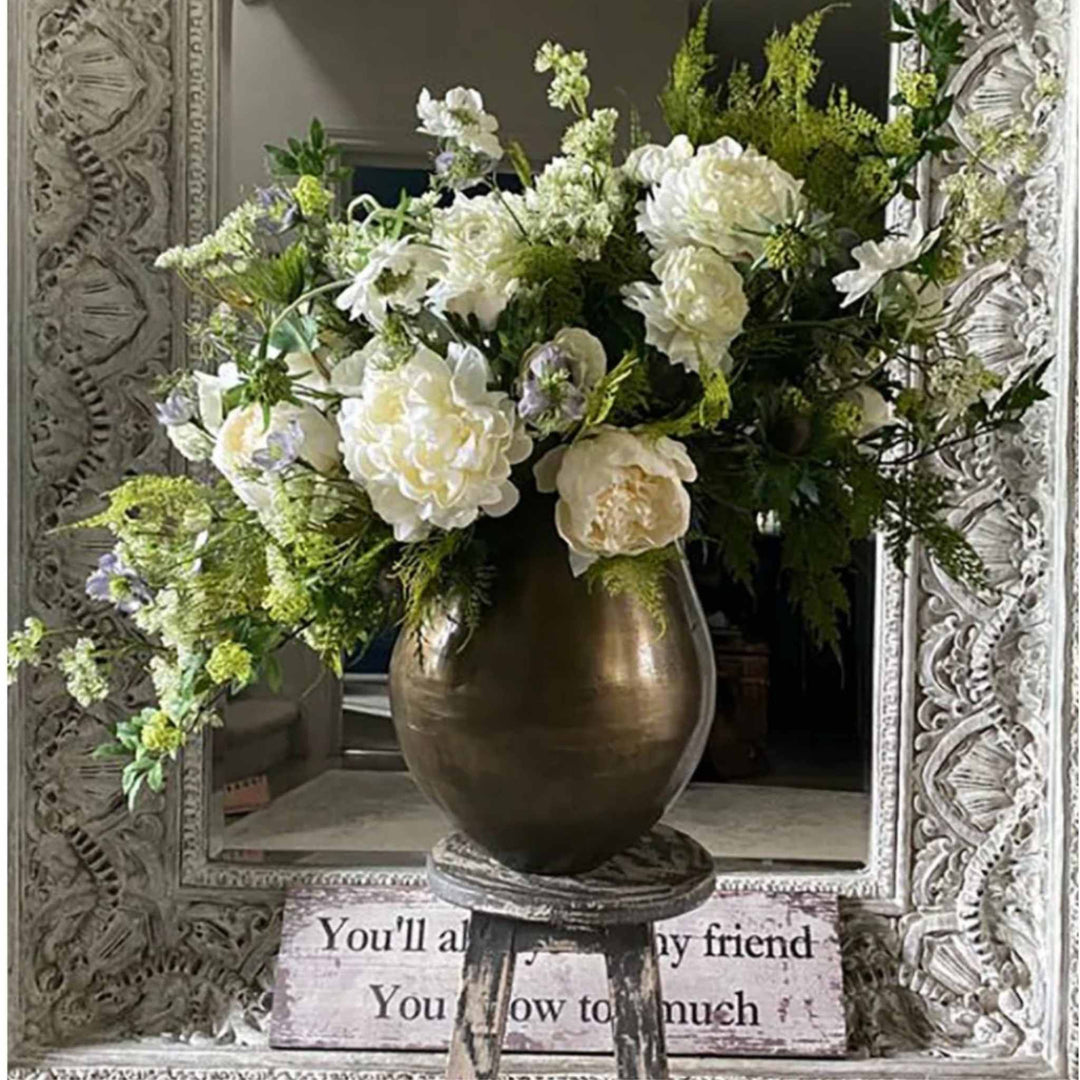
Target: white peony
<point>720,197</point>
<point>619,494</point>
<point>245,434</point>
<point>431,444</point>
<point>460,116</point>
<point>877,258</point>
<point>397,275</point>
<point>480,241</point>
<point>649,164</point>
<point>696,311</point>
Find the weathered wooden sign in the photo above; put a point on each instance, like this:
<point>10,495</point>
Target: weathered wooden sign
<point>746,973</point>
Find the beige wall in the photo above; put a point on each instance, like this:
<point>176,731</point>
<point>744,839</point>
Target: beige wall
<point>359,64</point>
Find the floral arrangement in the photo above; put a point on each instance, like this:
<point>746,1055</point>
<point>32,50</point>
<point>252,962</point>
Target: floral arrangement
<point>676,343</point>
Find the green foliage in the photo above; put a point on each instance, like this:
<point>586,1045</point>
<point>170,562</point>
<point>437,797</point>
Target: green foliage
<point>449,572</point>
<point>705,414</point>
<point>689,107</point>
<point>313,156</point>
<point>640,577</point>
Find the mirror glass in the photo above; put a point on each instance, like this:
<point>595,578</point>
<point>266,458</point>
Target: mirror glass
<point>311,773</point>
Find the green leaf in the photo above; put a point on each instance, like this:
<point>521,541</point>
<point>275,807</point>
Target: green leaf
<point>296,333</point>
<point>109,750</point>
<point>155,776</point>
<point>520,161</point>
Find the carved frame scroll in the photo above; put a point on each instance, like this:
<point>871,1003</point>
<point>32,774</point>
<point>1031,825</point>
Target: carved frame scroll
<point>132,956</point>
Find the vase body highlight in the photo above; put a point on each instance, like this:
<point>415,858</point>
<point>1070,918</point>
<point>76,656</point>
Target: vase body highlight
<point>568,723</point>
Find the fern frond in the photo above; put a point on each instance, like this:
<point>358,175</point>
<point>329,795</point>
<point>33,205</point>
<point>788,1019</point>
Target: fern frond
<point>641,577</point>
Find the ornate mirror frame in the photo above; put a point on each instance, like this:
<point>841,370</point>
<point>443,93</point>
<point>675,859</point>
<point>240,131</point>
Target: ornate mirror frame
<point>133,955</point>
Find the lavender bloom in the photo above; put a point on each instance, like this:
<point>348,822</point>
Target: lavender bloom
<point>550,400</point>
<point>178,408</point>
<point>281,450</point>
<point>115,582</point>
<point>276,220</point>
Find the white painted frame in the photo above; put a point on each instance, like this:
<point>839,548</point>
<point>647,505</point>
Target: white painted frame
<point>133,955</point>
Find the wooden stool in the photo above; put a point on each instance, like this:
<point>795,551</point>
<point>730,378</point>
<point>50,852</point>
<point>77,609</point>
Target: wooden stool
<point>609,910</point>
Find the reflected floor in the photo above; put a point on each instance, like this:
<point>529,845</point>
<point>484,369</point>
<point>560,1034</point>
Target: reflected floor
<point>345,810</point>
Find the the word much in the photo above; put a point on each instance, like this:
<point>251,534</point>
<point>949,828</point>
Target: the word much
<point>738,1012</point>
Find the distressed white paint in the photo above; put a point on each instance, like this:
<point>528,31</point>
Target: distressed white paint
<point>378,969</point>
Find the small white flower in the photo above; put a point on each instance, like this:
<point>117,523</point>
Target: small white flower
<point>649,164</point>
<point>877,258</point>
<point>874,411</point>
<point>479,241</point>
<point>431,444</point>
<point>245,436</point>
<point>619,494</point>
<point>576,202</point>
<point>696,311</point>
<point>724,197</point>
<point>397,274</point>
<point>460,116</point>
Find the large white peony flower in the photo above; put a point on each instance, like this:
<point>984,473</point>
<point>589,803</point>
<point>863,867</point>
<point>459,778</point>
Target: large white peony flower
<point>247,446</point>
<point>431,444</point>
<point>619,494</point>
<point>480,241</point>
<point>397,274</point>
<point>460,116</point>
<point>720,197</point>
<point>877,258</point>
<point>696,311</point>
<point>649,164</point>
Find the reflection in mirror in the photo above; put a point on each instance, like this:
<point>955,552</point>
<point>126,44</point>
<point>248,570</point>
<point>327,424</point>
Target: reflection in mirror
<point>310,773</point>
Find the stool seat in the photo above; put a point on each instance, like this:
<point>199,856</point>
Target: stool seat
<point>663,874</point>
<point>609,910</point>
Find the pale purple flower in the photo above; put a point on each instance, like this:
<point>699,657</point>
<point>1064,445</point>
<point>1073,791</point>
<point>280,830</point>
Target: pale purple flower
<point>115,582</point>
<point>281,450</point>
<point>178,408</point>
<point>549,397</point>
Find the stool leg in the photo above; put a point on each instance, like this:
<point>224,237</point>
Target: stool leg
<point>637,1021</point>
<point>487,978</point>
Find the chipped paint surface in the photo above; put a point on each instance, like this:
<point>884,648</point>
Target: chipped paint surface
<point>365,968</point>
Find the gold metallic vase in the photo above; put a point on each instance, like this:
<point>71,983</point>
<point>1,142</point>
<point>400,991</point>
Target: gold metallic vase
<point>568,723</point>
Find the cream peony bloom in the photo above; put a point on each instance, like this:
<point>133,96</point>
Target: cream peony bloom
<point>877,258</point>
<point>480,241</point>
<point>396,275</point>
<point>721,197</point>
<point>649,164</point>
<point>696,311</point>
<point>296,431</point>
<point>431,444</point>
<point>459,116</point>
<point>619,494</point>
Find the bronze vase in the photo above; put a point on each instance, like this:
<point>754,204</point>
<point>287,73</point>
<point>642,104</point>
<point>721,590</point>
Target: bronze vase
<point>565,726</point>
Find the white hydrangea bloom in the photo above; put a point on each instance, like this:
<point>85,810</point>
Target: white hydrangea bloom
<point>460,116</point>
<point>721,197</point>
<point>877,258</point>
<point>649,164</point>
<point>431,444</point>
<point>576,202</point>
<point>479,240</point>
<point>619,494</point>
<point>397,275</point>
<point>696,311</point>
